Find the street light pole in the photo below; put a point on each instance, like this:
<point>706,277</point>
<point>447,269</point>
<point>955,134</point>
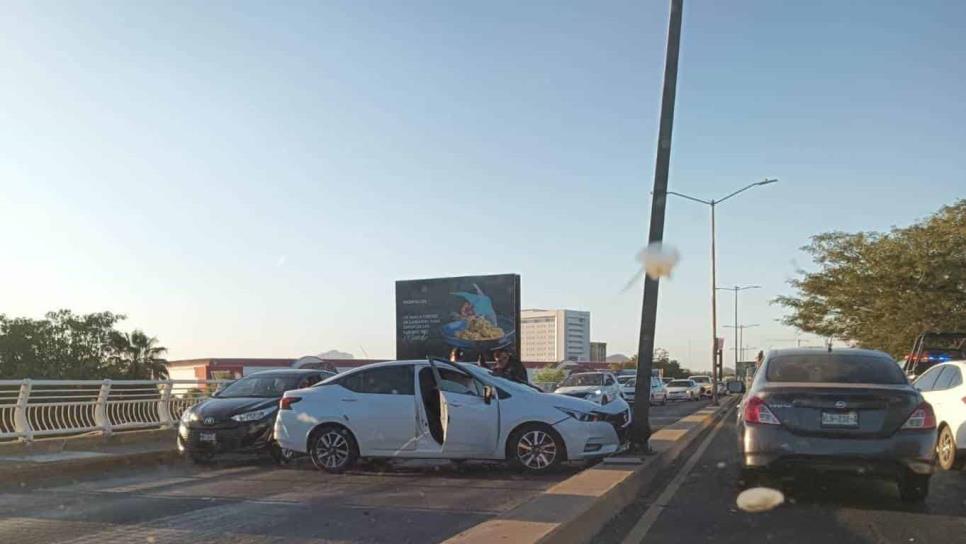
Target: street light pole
<point>640,431</point>
<point>714,271</point>
<point>736,289</point>
<point>741,337</point>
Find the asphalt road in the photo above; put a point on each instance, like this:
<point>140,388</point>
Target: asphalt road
<point>250,501</point>
<point>816,510</point>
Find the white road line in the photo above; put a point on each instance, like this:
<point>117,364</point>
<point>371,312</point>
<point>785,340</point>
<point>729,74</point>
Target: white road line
<point>643,525</point>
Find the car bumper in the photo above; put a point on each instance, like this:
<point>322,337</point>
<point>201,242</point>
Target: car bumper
<point>678,395</point>
<point>244,437</point>
<point>777,448</point>
<point>588,440</point>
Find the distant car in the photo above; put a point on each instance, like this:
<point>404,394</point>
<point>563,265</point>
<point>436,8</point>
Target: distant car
<point>848,410</point>
<point>599,387</point>
<point>685,389</point>
<point>667,380</point>
<point>942,386</point>
<point>240,417</point>
<point>704,382</point>
<point>658,391</point>
<point>624,378</point>
<point>628,387</point>
<point>435,409</point>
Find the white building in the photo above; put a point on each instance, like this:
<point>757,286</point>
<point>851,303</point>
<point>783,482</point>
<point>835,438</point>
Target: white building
<point>554,335</point>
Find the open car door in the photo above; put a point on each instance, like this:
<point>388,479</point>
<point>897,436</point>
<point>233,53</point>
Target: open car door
<point>469,412</point>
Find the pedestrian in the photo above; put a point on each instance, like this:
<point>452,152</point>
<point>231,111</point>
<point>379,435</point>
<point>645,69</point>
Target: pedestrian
<point>509,367</point>
<point>455,355</point>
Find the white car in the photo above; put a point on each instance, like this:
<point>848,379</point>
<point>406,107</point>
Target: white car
<point>435,409</point>
<point>942,386</point>
<point>704,382</point>
<point>683,390</point>
<point>599,387</point>
<point>658,394</point>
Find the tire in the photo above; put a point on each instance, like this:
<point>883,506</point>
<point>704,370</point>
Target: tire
<point>333,448</point>
<point>201,457</point>
<point>280,455</point>
<point>913,487</point>
<point>549,446</point>
<point>946,450</point>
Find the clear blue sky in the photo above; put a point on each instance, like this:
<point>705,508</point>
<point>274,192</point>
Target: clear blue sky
<point>249,179</point>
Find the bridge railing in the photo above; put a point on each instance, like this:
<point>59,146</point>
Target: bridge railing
<point>36,408</point>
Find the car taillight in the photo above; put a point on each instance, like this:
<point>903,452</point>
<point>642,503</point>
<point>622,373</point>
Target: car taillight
<point>922,418</point>
<point>287,402</point>
<point>756,411</point>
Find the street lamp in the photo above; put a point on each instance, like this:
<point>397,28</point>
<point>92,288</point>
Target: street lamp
<point>714,271</point>
<point>741,339</point>
<point>736,289</point>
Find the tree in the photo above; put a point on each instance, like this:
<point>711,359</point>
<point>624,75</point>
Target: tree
<point>549,374</point>
<point>662,361</point>
<point>137,356</point>
<point>880,290</point>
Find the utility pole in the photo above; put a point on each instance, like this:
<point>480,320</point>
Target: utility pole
<point>736,289</point>
<point>640,427</point>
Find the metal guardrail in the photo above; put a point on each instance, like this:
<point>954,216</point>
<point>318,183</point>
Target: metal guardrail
<point>37,408</point>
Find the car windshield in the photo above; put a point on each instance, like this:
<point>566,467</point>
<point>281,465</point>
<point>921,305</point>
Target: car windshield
<point>679,383</point>
<point>260,387</point>
<point>834,368</point>
<point>578,380</point>
<point>701,379</point>
<point>509,385</point>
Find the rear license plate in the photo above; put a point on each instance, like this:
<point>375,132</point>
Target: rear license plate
<point>207,437</point>
<point>840,419</point>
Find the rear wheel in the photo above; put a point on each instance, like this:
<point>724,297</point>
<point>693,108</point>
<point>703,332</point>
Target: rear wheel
<point>535,448</point>
<point>333,449</point>
<point>913,487</point>
<point>946,450</point>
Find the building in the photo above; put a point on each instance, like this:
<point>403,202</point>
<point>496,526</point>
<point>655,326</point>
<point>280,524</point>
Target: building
<point>598,351</point>
<point>554,335</point>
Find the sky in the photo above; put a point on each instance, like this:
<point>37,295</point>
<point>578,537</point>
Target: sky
<point>249,179</point>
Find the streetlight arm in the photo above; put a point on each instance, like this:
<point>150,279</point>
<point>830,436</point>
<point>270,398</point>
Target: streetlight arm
<point>705,202</point>
<point>743,189</point>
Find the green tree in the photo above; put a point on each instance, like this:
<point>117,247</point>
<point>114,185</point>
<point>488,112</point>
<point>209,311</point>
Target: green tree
<point>880,290</point>
<point>549,374</point>
<point>137,356</point>
<point>662,360</point>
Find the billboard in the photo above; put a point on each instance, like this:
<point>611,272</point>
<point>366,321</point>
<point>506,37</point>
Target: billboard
<point>475,313</point>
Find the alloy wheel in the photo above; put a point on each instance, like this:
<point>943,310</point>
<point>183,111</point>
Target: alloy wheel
<point>946,449</point>
<point>536,450</point>
<point>332,450</point>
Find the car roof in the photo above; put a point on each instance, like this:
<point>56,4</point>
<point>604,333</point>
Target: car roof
<point>836,351</point>
<point>287,372</point>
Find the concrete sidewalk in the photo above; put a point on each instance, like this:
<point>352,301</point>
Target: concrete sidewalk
<point>21,462</point>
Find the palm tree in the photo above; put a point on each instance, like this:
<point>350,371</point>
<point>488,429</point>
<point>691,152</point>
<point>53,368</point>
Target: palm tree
<point>138,356</point>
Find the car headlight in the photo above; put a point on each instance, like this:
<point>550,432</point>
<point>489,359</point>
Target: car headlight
<point>188,416</point>
<point>580,416</point>
<point>255,415</point>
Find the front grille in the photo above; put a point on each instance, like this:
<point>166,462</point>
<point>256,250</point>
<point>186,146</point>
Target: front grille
<point>620,423</point>
<point>577,395</point>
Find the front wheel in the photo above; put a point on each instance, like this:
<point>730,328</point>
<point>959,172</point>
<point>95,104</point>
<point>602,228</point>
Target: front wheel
<point>946,450</point>
<point>333,449</point>
<point>535,448</point>
<point>914,487</point>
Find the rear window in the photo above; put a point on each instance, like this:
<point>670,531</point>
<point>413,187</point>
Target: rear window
<point>834,368</point>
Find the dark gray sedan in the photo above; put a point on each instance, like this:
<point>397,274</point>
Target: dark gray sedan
<point>848,410</point>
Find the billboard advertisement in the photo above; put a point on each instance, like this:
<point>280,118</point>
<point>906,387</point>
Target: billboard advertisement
<point>475,313</point>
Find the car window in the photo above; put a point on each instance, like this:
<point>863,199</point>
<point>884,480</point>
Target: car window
<point>834,368</point>
<point>681,383</point>
<point>259,386</point>
<point>928,379</point>
<point>957,379</point>
<point>387,380</point>
<point>579,380</point>
<point>457,382</point>
<point>945,379</point>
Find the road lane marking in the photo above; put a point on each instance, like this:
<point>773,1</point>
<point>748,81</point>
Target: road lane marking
<point>643,525</point>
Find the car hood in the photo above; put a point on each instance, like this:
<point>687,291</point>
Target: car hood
<point>677,389</point>
<point>563,401</point>
<point>579,389</point>
<point>221,408</point>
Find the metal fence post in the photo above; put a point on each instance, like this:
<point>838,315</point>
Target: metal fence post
<point>21,425</point>
<point>101,418</point>
<point>164,406</point>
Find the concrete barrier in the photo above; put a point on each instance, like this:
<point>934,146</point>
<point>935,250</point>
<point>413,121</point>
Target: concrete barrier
<point>575,510</point>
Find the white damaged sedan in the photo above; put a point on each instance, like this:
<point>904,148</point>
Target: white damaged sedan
<point>439,410</point>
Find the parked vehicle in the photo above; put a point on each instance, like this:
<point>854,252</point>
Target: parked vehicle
<point>624,378</point>
<point>704,382</point>
<point>437,409</point>
<point>849,410</point>
<point>685,389</point>
<point>599,387</point>
<point>240,417</point>
<point>942,386</point>
<point>628,388</point>
<point>667,380</point>
<point>658,391</point>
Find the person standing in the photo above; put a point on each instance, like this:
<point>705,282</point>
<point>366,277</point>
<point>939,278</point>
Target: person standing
<point>455,355</point>
<point>509,367</point>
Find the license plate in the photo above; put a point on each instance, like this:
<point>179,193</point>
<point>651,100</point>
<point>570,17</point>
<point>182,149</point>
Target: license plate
<point>207,437</point>
<point>840,419</point>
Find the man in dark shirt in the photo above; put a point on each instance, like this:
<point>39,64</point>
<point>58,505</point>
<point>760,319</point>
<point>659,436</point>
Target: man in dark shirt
<point>509,367</point>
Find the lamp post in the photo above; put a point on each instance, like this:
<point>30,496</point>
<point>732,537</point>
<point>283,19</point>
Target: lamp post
<point>714,271</point>
<point>741,339</point>
<point>736,289</point>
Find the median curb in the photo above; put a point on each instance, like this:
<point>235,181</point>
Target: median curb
<point>575,510</point>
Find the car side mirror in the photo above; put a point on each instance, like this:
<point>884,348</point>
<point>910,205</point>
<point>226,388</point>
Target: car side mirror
<point>487,394</point>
